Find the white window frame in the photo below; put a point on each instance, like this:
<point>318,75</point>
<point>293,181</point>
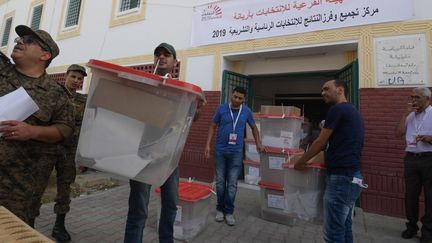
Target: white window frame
<point>128,16</point>
<point>64,28</point>
<point>126,12</point>
<point>4,31</point>
<point>32,14</point>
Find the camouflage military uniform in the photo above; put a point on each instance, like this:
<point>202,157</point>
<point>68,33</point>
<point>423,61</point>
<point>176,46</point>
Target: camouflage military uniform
<point>65,167</point>
<point>41,175</point>
<point>19,160</point>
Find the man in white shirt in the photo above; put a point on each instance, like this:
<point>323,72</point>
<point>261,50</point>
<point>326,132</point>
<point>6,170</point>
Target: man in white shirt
<point>416,125</point>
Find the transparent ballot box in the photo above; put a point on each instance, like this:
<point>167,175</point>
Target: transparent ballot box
<point>251,172</point>
<point>272,162</point>
<point>251,152</point>
<point>304,191</point>
<point>281,130</point>
<point>135,123</point>
<point>192,210</point>
<point>273,204</point>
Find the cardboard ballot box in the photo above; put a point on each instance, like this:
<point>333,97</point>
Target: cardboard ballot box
<point>304,190</point>
<point>135,123</point>
<point>192,210</point>
<point>272,162</point>
<point>14,230</point>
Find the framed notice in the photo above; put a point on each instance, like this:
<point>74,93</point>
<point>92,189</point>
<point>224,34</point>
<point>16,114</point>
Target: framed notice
<point>401,61</point>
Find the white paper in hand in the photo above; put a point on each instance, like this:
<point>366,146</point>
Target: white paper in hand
<point>17,105</point>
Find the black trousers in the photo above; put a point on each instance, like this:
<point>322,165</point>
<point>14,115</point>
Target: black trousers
<point>418,176</point>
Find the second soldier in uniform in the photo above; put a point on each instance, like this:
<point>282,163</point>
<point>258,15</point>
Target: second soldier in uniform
<point>65,166</point>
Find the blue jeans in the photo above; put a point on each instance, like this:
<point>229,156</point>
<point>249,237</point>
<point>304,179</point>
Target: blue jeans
<point>138,211</point>
<point>228,166</point>
<point>339,200</point>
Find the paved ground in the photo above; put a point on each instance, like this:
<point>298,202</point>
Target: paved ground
<point>100,217</point>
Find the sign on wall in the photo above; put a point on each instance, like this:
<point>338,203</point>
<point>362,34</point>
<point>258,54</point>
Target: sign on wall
<point>237,20</point>
<point>401,60</point>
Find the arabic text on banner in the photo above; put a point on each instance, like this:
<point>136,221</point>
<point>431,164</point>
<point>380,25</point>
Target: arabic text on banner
<point>238,20</point>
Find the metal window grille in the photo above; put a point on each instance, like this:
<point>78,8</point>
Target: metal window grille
<point>230,80</point>
<point>36,17</point>
<point>149,68</point>
<point>129,4</point>
<point>73,12</point>
<point>6,32</point>
<point>58,77</point>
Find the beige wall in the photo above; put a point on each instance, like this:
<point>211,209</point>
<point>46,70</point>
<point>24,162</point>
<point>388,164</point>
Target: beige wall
<point>363,35</point>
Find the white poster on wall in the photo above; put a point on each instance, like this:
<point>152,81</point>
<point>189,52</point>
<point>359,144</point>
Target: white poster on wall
<point>401,60</point>
<point>237,20</point>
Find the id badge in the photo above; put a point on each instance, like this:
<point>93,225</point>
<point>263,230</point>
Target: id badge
<point>232,139</point>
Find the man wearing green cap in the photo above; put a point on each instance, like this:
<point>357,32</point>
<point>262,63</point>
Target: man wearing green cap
<point>165,61</point>
<point>65,167</point>
<point>26,145</point>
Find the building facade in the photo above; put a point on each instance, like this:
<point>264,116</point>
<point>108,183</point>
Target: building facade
<point>285,69</point>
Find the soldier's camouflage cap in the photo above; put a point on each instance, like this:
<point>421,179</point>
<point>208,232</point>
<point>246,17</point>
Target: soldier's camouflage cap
<point>78,68</point>
<point>42,36</point>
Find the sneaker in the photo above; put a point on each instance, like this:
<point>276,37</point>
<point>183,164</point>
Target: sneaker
<point>409,233</point>
<point>230,219</point>
<point>219,216</point>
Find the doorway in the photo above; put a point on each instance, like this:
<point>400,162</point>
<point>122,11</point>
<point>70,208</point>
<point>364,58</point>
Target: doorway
<point>302,89</point>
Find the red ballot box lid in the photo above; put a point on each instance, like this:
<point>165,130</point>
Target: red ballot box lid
<point>251,162</point>
<point>270,186</point>
<point>144,77</point>
<point>191,191</point>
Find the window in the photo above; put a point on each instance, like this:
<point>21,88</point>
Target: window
<point>127,11</point>
<point>6,32</point>
<point>128,5</point>
<point>73,12</point>
<point>36,17</point>
<point>71,16</point>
